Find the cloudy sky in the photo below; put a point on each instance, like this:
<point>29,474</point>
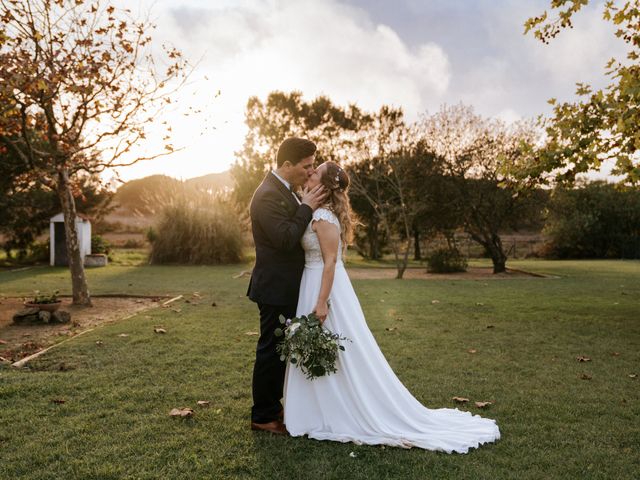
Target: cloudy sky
<point>417,54</point>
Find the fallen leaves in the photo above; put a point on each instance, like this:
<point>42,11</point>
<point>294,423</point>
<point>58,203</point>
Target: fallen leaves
<point>585,376</point>
<point>182,412</point>
<point>463,400</point>
<point>434,302</point>
<point>58,401</point>
<point>391,329</point>
<point>472,350</point>
<point>3,342</point>
<point>203,403</point>
<point>251,333</point>
<point>123,335</point>
<point>99,343</point>
<point>582,358</point>
<point>159,330</point>
<point>633,376</point>
<point>460,399</point>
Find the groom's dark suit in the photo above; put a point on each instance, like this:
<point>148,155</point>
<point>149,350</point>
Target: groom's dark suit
<point>277,222</point>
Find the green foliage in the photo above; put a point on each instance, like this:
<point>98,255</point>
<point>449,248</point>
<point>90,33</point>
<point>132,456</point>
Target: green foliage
<point>596,220</point>
<point>197,228</point>
<point>44,299</point>
<point>604,124</point>
<point>446,260</point>
<point>308,345</point>
<point>100,245</point>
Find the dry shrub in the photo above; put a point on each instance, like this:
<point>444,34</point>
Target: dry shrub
<point>197,227</point>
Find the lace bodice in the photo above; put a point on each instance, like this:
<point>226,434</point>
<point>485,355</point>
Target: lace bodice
<point>310,243</point>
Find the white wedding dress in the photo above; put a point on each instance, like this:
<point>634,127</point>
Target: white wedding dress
<point>364,402</point>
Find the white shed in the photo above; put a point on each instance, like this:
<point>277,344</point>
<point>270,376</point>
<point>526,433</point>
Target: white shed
<point>57,239</point>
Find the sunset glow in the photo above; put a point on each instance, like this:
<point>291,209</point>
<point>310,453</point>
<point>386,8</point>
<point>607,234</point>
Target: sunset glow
<point>417,56</point>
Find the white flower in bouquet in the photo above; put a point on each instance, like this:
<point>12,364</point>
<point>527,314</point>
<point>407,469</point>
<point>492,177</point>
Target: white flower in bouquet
<point>308,345</point>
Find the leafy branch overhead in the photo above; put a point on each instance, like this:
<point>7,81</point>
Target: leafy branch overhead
<point>605,123</point>
<point>79,83</point>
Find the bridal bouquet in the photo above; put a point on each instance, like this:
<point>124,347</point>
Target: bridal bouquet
<point>308,345</point>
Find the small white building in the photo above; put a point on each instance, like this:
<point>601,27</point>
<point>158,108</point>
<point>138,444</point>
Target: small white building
<point>57,239</point>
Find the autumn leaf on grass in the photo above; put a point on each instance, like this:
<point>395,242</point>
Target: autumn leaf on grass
<point>615,354</point>
<point>433,302</point>
<point>159,330</point>
<point>123,335</point>
<point>472,350</point>
<point>391,329</point>
<point>483,404</point>
<point>181,412</point>
<point>582,358</point>
<point>633,375</point>
<point>99,343</point>
<point>460,399</point>
<point>204,403</point>
<point>3,342</point>
<point>251,333</point>
<point>586,376</point>
<point>58,401</point>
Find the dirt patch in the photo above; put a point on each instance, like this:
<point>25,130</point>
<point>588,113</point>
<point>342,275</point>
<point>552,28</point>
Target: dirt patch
<point>472,273</point>
<point>19,341</point>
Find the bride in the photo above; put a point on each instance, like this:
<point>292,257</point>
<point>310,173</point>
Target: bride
<point>364,402</point>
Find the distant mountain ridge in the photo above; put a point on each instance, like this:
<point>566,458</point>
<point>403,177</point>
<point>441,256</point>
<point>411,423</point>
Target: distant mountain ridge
<point>135,194</point>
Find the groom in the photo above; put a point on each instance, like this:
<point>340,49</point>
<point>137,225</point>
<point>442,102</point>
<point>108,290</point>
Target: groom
<point>278,220</point>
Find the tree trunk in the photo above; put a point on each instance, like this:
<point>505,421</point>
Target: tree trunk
<point>76,265</point>
<point>498,257</point>
<point>373,235</point>
<point>493,246</point>
<point>417,254</point>
<point>401,262</point>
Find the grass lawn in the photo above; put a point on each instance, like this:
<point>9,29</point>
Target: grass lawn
<point>527,333</point>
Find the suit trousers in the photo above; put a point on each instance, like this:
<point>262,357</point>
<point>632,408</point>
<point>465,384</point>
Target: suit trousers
<point>269,370</point>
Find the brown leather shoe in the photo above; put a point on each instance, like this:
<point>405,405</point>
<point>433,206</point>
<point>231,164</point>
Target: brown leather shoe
<point>276,427</point>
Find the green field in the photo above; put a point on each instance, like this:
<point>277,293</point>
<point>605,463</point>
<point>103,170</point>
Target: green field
<point>527,332</point>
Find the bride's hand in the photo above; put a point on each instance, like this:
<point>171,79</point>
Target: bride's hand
<point>321,311</point>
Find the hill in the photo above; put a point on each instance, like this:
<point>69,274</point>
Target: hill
<point>212,181</point>
<point>139,195</point>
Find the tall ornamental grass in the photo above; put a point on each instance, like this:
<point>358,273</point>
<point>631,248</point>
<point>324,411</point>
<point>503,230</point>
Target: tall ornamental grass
<point>197,228</point>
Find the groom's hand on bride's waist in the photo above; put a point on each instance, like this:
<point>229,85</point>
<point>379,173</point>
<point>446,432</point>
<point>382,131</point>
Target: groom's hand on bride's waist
<point>315,197</point>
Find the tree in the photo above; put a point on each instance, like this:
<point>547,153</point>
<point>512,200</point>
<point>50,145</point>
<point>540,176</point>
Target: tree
<point>478,157</point>
<point>604,124</point>
<point>595,220</point>
<point>283,115</point>
<point>381,174</point>
<point>25,206</point>
<point>78,86</point>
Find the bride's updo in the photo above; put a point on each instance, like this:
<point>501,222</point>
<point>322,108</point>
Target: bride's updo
<point>336,181</point>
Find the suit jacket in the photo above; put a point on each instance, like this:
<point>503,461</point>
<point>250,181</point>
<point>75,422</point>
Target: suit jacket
<point>277,223</point>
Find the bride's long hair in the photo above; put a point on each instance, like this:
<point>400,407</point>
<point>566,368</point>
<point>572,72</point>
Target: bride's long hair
<point>337,182</point>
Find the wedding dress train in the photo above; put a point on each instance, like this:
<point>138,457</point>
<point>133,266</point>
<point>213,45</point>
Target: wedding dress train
<point>365,402</point>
